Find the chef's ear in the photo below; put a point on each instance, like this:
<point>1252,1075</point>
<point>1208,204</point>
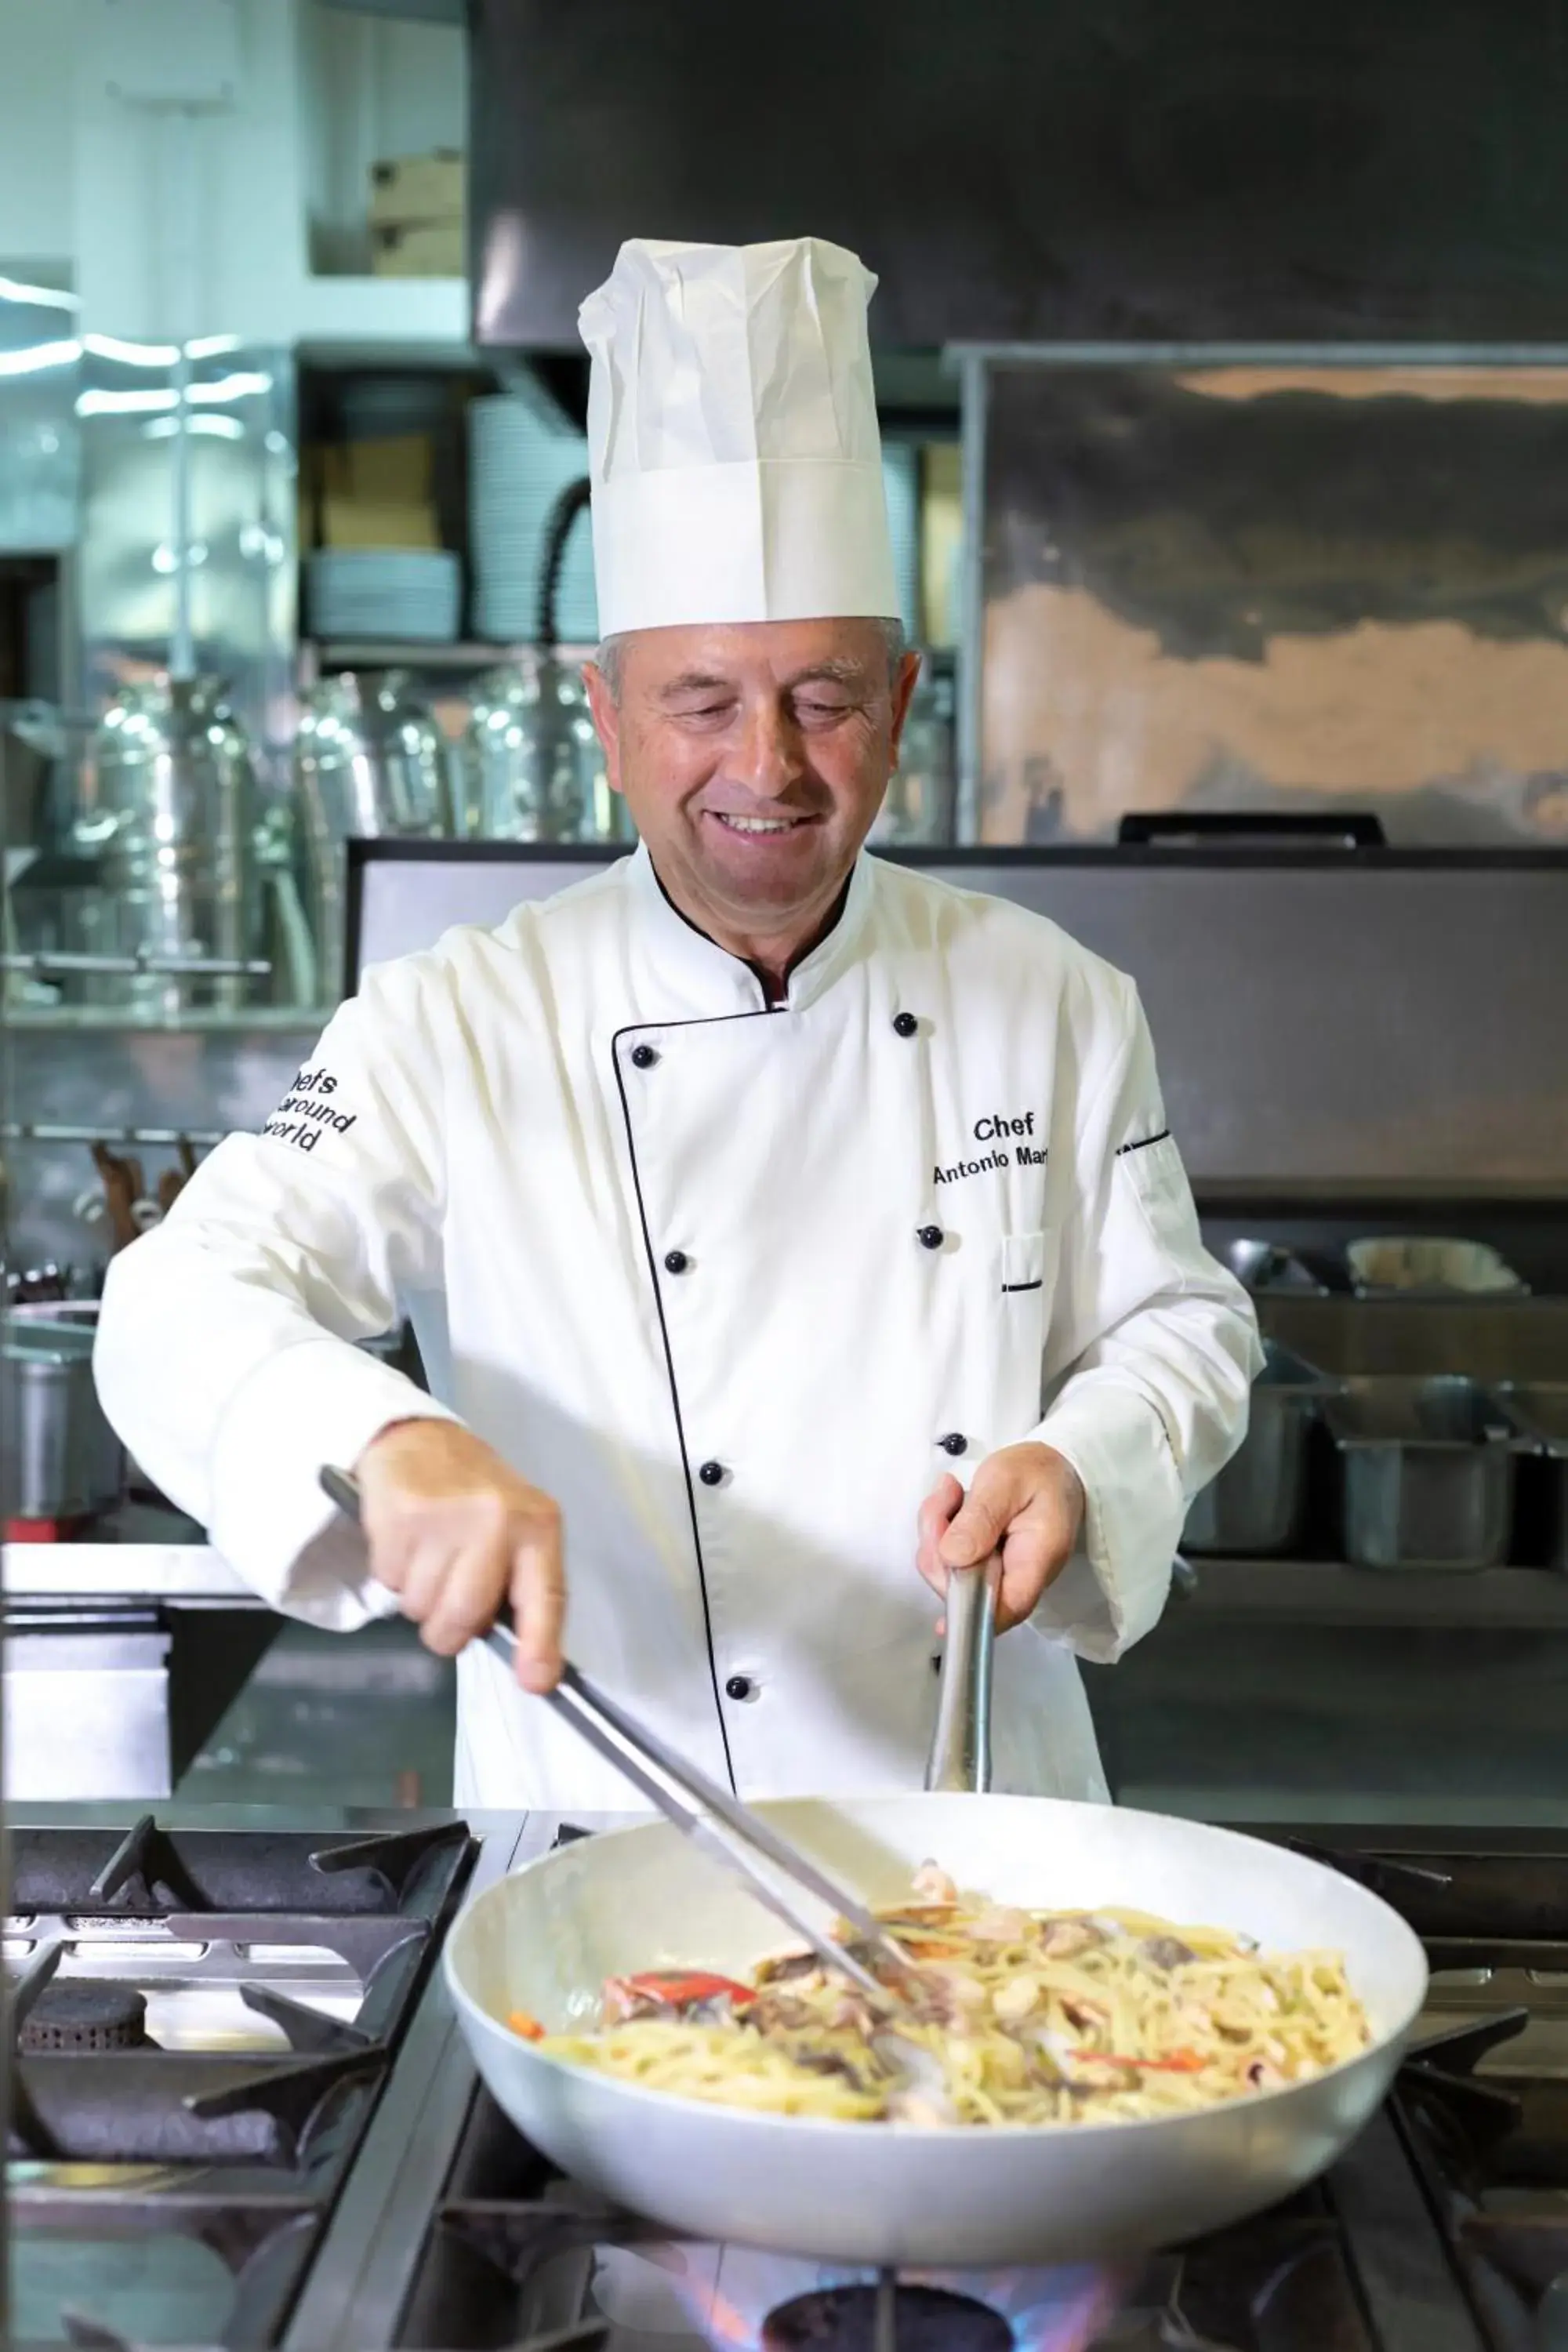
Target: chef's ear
<point>606,716</point>
<point>909,669</point>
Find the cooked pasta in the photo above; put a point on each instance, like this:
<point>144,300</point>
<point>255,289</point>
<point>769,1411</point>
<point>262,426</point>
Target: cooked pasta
<point>1016,2017</point>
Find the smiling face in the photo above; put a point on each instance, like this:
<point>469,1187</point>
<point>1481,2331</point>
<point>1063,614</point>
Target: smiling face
<point>753,757</point>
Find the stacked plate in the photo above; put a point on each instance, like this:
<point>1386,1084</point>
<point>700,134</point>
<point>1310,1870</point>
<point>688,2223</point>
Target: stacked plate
<point>521,459</point>
<point>415,594</point>
<point>901,481</point>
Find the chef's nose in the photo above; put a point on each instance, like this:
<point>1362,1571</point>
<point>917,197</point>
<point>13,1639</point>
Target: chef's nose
<point>765,760</point>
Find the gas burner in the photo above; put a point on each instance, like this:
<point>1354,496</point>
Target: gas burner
<point>77,2016</point>
<point>203,2022</point>
<point>887,2317</point>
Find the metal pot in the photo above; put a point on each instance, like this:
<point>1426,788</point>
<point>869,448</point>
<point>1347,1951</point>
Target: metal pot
<point>919,806</point>
<point>62,1460</point>
<point>32,752</point>
<point>1256,1503</point>
<point>531,765</point>
<point>168,807</point>
<point>369,763</point>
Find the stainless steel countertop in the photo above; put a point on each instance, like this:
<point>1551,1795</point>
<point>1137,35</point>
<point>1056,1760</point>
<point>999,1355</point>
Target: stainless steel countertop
<point>184,1575</point>
<point>1330,1592</point>
<point>139,1552</point>
<point>190,1574</point>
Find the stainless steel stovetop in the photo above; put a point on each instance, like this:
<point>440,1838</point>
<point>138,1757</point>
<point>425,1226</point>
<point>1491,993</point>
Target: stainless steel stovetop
<point>306,2158</point>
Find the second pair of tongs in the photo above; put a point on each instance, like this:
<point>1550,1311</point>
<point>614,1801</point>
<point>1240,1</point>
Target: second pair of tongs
<point>737,1839</point>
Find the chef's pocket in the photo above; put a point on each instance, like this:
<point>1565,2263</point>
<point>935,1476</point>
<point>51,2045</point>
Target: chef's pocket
<point>1026,1270</point>
<point>1160,1186</point>
<point>1023,1263</point>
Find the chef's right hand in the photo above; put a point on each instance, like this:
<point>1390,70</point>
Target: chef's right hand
<point>457,1534</point>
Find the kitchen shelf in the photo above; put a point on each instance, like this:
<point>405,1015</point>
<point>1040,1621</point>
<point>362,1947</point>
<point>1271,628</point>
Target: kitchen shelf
<point>365,321</point>
<point>394,653</point>
<point>178,1575</point>
<point>429,11</point>
<point>1330,1592</point>
<point>268,1020</point>
<point>1320,1592</point>
<point>322,653</point>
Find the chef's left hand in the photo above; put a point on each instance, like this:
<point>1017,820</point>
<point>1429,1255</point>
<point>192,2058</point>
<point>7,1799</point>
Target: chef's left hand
<point>1026,1502</point>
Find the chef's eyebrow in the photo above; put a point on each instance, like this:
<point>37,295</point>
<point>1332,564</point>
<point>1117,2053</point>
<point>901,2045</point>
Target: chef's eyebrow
<point>839,670</point>
<point>693,681</point>
<point>835,671</point>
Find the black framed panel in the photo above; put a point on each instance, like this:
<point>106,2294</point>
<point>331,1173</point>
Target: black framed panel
<point>1324,1021</point>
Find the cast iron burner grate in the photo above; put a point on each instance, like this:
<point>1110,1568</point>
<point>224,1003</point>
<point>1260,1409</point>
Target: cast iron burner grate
<point>149,1872</point>
<point>887,2317</point>
<point>75,2017</point>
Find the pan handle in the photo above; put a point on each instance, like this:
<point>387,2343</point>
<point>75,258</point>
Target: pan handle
<point>960,1758</point>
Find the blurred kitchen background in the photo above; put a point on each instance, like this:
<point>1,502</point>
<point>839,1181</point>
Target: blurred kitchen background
<point>1223,371</point>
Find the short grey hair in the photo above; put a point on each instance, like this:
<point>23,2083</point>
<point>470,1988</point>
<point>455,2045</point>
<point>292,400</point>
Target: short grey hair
<point>607,657</point>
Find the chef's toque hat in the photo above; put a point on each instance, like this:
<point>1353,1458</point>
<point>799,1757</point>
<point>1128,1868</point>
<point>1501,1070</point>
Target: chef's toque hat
<point>732,436</point>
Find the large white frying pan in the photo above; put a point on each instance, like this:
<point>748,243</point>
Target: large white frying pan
<point>545,1939</point>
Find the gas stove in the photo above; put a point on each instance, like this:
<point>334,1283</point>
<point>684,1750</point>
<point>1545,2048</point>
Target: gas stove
<point>203,2019</point>
<point>307,2159</point>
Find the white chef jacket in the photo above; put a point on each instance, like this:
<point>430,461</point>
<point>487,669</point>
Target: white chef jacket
<point>734,1284</point>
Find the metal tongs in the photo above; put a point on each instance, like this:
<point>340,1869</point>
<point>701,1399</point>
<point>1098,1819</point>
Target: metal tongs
<point>740,1840</point>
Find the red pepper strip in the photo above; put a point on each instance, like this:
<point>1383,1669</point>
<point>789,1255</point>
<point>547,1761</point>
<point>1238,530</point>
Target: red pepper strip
<point>679,1986</point>
<point>931,1947</point>
<point>529,2027</point>
<point>1180,2062</point>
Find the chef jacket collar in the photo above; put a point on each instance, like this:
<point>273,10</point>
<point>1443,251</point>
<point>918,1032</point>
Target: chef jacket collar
<point>716,983</point>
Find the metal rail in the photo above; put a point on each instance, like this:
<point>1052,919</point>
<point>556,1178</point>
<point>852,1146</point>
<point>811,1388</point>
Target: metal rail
<point>360,2279</point>
<point>42,1130</point>
<point>50,963</point>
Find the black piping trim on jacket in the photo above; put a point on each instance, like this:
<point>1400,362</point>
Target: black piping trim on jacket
<point>1024,1286</point>
<point>635,1029</point>
<point>1143,1143</point>
<point>771,1003</point>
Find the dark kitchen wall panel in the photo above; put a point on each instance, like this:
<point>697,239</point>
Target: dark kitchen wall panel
<point>1017,169</point>
<point>1282,588</point>
<point>1325,1025</point>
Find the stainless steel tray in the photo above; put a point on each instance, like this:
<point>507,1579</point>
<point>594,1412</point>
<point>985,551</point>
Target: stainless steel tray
<point>1269,1265</point>
<point>1428,1472</point>
<point>1257,1504</point>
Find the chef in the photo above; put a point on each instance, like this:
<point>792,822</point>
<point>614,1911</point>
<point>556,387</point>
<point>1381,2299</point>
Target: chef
<point>781,1229</point>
